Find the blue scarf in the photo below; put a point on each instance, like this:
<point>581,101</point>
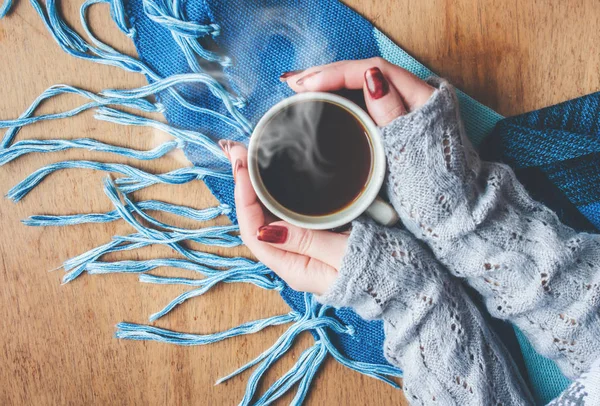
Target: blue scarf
<point>555,154</point>
<point>213,69</point>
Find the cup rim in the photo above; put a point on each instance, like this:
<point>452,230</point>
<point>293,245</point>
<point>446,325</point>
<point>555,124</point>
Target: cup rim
<point>353,209</point>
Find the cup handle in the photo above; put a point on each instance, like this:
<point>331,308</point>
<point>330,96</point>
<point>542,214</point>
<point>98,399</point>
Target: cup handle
<point>382,212</point>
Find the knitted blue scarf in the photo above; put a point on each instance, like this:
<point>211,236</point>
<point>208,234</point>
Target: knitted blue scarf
<point>555,153</point>
<point>213,69</point>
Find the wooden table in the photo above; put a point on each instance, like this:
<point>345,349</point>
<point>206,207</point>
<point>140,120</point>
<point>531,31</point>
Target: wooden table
<point>56,344</point>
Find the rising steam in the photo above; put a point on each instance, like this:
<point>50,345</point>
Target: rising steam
<point>268,27</point>
<point>294,132</point>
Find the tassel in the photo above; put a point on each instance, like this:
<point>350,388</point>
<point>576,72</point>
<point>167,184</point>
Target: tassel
<point>43,146</point>
<point>155,236</point>
<point>136,179</point>
<point>236,275</point>
<point>134,98</point>
<point>185,33</point>
<point>130,331</point>
<point>187,136</point>
<point>147,265</point>
<point>96,100</point>
<point>145,236</point>
<point>146,205</point>
<point>310,358</point>
<point>304,385</point>
<point>266,281</point>
<point>308,322</point>
<point>77,265</point>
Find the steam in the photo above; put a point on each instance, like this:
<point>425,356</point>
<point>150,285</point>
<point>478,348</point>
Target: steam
<point>294,132</point>
<point>277,26</point>
<point>296,34</point>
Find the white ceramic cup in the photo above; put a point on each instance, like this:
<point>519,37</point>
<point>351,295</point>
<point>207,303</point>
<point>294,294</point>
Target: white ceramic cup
<point>366,202</point>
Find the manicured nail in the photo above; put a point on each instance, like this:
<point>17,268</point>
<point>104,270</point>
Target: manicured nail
<point>377,84</point>
<point>238,164</point>
<point>301,81</point>
<point>225,146</point>
<point>285,75</point>
<point>272,234</point>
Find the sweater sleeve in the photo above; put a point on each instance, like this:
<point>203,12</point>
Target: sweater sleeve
<point>483,226</point>
<point>433,332</point>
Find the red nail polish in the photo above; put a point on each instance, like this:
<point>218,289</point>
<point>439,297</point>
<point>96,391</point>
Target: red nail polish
<point>377,84</point>
<point>285,75</point>
<point>272,234</point>
<point>238,164</point>
<point>300,81</point>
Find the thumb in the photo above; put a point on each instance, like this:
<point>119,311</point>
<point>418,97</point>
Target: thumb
<point>325,246</point>
<point>383,100</point>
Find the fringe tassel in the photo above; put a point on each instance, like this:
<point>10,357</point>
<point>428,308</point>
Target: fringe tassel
<point>146,205</point>
<point>264,281</point>
<point>26,117</point>
<point>136,179</point>
<point>303,371</point>
<point>77,265</point>
<point>151,264</point>
<point>130,331</point>
<point>216,236</point>
<point>306,380</point>
<point>133,98</point>
<point>306,367</point>
<point>25,147</point>
<point>314,319</point>
<point>100,52</point>
<point>187,136</point>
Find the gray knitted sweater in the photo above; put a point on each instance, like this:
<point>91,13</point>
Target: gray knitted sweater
<point>480,225</point>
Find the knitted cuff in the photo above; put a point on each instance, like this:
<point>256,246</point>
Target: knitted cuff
<point>442,103</point>
<point>356,274</point>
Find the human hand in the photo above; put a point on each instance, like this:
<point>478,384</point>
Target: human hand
<point>389,90</point>
<point>309,260</point>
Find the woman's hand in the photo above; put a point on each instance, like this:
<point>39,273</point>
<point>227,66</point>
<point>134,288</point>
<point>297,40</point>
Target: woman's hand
<point>309,260</point>
<point>389,90</point>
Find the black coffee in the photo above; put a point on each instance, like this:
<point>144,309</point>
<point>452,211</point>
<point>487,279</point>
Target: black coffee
<point>314,157</point>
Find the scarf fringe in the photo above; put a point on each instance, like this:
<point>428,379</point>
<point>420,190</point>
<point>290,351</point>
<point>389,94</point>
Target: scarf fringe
<point>213,269</point>
<point>154,205</point>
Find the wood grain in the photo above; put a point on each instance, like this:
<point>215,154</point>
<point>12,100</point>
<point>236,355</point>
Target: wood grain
<point>56,341</point>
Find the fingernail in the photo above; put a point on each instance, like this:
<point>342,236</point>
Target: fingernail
<point>377,84</point>
<point>225,146</point>
<point>285,75</point>
<point>272,234</point>
<point>301,81</point>
<point>238,164</point>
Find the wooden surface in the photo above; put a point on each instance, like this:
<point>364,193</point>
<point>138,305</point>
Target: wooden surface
<point>56,344</point>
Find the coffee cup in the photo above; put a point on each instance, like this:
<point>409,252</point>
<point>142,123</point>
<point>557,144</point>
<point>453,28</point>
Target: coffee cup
<point>317,161</point>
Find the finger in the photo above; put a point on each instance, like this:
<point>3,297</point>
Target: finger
<point>304,274</point>
<point>249,211</point>
<point>239,151</point>
<point>299,271</point>
<point>350,75</point>
<point>296,74</point>
<point>383,100</point>
<point>324,246</point>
